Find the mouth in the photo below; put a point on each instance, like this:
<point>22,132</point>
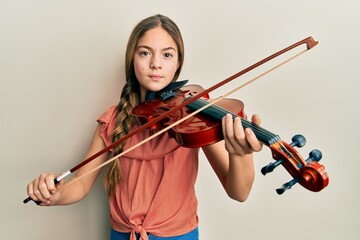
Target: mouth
<point>155,77</point>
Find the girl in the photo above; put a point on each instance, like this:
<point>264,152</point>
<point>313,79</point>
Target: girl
<point>151,189</point>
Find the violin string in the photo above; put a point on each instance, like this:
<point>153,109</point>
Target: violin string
<point>185,118</point>
<point>219,112</point>
<point>263,133</point>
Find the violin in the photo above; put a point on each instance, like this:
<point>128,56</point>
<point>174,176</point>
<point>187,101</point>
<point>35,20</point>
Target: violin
<point>309,173</point>
<point>204,128</point>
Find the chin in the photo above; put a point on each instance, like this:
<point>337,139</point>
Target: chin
<point>157,87</point>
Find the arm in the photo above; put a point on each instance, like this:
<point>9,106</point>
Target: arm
<point>43,188</point>
<point>232,158</point>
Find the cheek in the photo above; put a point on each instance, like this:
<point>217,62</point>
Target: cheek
<point>139,69</point>
<point>173,68</point>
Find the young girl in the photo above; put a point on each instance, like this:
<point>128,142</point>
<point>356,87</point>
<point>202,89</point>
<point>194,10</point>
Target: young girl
<point>151,189</point>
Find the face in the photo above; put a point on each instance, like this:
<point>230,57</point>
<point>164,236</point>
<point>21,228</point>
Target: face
<point>155,60</point>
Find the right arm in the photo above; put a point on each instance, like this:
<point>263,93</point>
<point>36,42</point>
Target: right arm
<point>43,188</point>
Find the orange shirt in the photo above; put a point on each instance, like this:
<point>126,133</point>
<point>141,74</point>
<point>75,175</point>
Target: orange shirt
<point>157,190</point>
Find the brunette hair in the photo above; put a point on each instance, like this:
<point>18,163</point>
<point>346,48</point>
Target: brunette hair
<point>130,95</point>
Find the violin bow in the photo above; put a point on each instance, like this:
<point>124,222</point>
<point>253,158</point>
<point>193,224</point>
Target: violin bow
<point>310,43</point>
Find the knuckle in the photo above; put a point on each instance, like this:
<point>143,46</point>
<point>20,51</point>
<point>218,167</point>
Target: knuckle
<point>30,191</point>
<point>238,136</point>
<point>37,193</point>
<point>42,177</point>
<point>42,186</point>
<point>49,178</point>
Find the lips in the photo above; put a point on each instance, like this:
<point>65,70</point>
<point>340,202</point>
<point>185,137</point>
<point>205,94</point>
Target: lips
<point>155,77</point>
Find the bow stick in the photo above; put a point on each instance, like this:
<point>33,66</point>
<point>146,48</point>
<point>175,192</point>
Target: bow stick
<point>310,43</point>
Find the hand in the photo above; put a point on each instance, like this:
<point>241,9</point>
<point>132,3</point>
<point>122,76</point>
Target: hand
<point>43,189</point>
<point>238,140</point>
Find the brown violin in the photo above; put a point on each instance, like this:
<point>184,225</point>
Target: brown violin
<point>204,128</point>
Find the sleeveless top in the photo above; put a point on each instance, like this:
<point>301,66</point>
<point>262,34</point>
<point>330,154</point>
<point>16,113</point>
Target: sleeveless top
<point>157,190</point>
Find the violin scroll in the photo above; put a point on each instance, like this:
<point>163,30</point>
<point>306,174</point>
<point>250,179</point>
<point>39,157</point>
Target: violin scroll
<point>297,141</point>
<point>309,173</point>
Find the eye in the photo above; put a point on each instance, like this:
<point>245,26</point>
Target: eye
<point>168,55</point>
<point>144,53</point>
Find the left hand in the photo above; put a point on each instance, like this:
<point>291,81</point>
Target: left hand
<point>240,141</point>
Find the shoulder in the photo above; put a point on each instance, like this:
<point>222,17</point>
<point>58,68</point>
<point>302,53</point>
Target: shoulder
<point>107,122</point>
<point>108,115</point>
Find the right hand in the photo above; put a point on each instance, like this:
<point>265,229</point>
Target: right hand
<point>43,189</point>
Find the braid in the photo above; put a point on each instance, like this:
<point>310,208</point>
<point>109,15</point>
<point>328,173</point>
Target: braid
<point>124,120</point>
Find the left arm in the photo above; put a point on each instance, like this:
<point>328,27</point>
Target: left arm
<point>232,158</point>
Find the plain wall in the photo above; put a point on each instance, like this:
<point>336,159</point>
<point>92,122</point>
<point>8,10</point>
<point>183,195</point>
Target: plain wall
<point>61,66</point>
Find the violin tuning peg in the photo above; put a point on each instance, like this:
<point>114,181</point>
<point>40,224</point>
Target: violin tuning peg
<point>298,141</point>
<point>286,186</point>
<point>314,155</point>
<point>271,166</point>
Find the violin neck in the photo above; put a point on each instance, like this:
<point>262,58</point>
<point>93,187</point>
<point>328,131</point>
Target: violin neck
<point>217,113</point>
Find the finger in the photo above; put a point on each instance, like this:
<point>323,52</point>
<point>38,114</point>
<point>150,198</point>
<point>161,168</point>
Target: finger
<point>30,191</point>
<point>49,180</point>
<point>256,119</point>
<point>232,128</point>
<point>240,144</point>
<point>238,130</point>
<point>252,140</point>
<point>43,187</point>
<point>37,193</point>
<point>227,128</point>
<point>236,140</point>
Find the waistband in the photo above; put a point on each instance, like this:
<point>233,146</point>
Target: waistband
<point>114,235</point>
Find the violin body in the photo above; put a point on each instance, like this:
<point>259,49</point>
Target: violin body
<point>198,130</point>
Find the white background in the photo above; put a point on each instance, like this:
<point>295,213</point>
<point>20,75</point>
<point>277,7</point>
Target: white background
<point>61,66</point>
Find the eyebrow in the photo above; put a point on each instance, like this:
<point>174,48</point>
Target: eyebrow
<point>164,49</point>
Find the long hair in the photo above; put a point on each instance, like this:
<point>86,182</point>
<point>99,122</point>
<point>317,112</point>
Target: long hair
<point>130,95</point>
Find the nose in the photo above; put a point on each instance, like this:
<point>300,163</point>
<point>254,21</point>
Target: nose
<point>155,62</point>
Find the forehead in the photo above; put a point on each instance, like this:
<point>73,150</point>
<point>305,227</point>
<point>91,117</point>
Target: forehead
<point>157,38</point>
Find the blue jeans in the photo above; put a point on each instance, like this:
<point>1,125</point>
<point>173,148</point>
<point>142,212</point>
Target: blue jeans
<point>193,235</point>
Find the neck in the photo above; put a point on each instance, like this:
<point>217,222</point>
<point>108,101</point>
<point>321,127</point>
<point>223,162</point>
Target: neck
<point>218,113</point>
